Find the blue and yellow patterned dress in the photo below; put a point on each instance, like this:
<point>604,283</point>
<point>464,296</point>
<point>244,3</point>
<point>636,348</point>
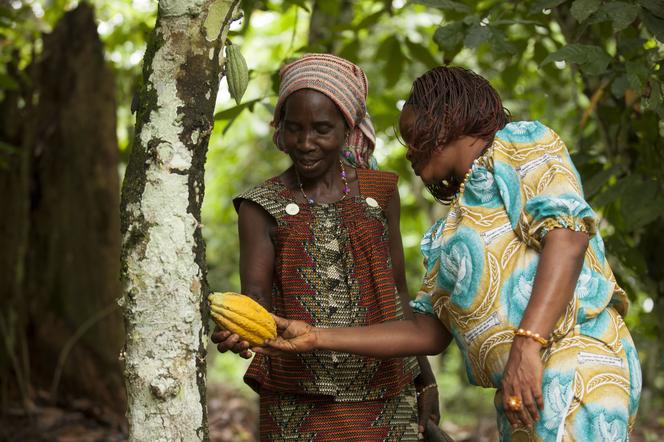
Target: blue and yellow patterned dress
<point>481,262</point>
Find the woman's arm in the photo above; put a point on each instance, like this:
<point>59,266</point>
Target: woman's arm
<point>423,335</point>
<point>256,252</point>
<point>558,270</point>
<point>256,268</point>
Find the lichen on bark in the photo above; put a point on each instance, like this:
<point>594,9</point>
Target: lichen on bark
<point>164,272</point>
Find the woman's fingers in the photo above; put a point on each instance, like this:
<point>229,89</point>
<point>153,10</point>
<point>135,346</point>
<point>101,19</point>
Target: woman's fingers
<point>219,335</point>
<point>537,394</point>
<point>508,406</point>
<point>529,413</point>
<point>267,351</point>
<point>282,323</point>
<point>246,354</point>
<point>515,408</point>
<point>233,343</point>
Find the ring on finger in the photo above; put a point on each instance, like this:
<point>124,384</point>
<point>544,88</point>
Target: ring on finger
<point>514,403</point>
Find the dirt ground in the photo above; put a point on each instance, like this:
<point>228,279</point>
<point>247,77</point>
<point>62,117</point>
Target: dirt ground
<point>232,418</point>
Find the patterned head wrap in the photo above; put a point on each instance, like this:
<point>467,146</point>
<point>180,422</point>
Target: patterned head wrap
<point>346,85</point>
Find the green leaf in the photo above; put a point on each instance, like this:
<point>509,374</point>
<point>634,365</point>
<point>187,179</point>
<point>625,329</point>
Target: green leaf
<point>390,51</point>
<point>370,20</point>
<point>233,112</point>
<point>622,14</point>
<point>656,7</point>
<point>329,8</point>
<point>299,3</point>
<point>592,59</point>
<point>476,35</point>
<point>499,42</point>
<point>444,5</point>
<point>450,36</point>
<point>422,54</point>
<point>654,24</point>
<point>637,74</point>
<point>655,101</point>
<point>540,5</point>
<point>619,86</point>
<point>540,52</point>
<point>597,181</point>
<point>582,9</point>
<point>351,51</point>
<point>638,200</point>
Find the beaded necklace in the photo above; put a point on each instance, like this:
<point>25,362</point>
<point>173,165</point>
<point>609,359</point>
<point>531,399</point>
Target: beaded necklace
<point>346,189</point>
<point>482,160</point>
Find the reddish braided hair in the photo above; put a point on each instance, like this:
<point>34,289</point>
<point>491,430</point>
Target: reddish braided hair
<point>451,102</point>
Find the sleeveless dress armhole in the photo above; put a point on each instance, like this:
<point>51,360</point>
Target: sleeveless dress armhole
<point>379,185</point>
<point>270,195</point>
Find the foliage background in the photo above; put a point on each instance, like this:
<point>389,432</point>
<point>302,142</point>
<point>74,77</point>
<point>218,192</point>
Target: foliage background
<point>590,69</point>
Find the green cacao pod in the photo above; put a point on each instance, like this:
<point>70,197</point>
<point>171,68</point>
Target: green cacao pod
<point>237,74</point>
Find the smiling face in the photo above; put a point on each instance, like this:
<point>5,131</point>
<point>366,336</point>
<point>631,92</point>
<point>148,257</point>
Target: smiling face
<point>313,132</point>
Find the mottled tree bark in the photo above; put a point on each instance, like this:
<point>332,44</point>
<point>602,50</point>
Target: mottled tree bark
<point>163,262</point>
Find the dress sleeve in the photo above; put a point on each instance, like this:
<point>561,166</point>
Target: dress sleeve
<point>551,191</point>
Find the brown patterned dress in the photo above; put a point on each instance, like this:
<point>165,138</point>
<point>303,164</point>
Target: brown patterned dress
<point>333,269</point>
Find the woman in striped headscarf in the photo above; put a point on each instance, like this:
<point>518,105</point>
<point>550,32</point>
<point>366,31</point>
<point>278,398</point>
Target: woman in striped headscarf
<point>320,243</point>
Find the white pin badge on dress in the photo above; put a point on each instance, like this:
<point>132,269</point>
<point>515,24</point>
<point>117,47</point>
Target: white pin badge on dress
<point>292,209</point>
<point>372,202</point>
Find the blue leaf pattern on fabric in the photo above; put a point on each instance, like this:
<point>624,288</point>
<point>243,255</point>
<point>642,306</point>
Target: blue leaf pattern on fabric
<point>431,251</point>
<point>462,263</point>
<point>593,290</point>
<point>556,391</point>
<point>479,189</point>
<point>597,244</point>
<point>509,189</point>
<point>522,131</point>
<point>596,423</point>
<point>516,292</point>
<point>596,326</point>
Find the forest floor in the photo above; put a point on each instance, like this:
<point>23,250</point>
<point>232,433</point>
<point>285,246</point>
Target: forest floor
<point>232,418</point>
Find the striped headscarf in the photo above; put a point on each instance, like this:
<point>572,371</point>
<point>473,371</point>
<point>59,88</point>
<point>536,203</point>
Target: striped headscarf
<point>346,85</point>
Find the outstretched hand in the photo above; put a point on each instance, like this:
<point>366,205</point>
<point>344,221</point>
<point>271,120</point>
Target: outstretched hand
<point>292,337</point>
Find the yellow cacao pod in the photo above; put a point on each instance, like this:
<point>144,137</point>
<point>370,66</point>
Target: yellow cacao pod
<point>237,74</point>
<point>242,315</point>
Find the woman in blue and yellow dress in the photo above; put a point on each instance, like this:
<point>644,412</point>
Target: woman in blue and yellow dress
<point>516,273</point>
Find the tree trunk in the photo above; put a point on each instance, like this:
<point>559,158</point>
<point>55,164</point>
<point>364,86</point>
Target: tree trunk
<point>62,281</point>
<point>163,256</point>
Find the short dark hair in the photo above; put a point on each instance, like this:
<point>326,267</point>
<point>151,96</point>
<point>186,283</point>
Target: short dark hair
<point>452,102</point>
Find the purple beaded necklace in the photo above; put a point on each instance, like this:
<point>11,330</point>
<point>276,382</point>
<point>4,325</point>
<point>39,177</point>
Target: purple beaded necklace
<point>346,189</point>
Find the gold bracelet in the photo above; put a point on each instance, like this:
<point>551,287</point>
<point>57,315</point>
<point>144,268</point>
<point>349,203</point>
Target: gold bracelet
<point>529,334</point>
<point>427,387</point>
